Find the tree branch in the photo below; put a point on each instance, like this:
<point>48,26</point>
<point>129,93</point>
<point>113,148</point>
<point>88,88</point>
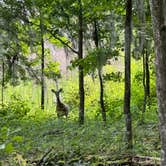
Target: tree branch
<point>63,42</point>
<point>30,70</point>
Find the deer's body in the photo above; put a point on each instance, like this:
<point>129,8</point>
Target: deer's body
<point>61,108</point>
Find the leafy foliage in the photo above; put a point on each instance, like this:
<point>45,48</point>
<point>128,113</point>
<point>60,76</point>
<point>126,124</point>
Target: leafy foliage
<point>113,76</point>
<point>8,140</point>
<point>17,107</point>
<point>52,70</point>
<point>95,59</point>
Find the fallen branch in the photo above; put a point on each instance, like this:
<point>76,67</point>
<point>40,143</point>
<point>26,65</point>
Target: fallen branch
<point>44,156</point>
<point>53,132</point>
<point>146,161</point>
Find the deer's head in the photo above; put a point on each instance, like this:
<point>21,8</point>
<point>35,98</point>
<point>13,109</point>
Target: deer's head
<point>57,92</point>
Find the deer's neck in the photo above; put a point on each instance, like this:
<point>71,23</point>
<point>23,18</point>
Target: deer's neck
<point>58,100</point>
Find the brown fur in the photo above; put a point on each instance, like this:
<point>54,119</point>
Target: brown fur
<point>61,108</point>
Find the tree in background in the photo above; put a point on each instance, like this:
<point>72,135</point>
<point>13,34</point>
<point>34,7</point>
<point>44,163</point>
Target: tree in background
<point>96,40</point>
<point>39,11</point>
<point>158,12</point>
<point>128,34</point>
<point>80,56</point>
<point>11,29</point>
<point>42,58</point>
<point>142,40</point>
<point>2,51</point>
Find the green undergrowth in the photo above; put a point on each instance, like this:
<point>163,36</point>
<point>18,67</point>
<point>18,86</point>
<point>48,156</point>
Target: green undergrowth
<point>34,135</point>
<point>27,133</point>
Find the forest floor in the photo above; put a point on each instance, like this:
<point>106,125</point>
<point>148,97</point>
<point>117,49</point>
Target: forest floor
<point>42,139</point>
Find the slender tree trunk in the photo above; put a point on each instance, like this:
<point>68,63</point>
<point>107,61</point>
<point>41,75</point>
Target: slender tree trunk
<point>96,40</point>
<point>144,82</point>
<point>128,33</point>
<point>158,12</point>
<point>101,96</point>
<point>147,55</point>
<point>80,56</point>
<point>42,62</point>
<point>146,78</point>
<point>66,61</point>
<point>13,71</point>
<point>3,82</point>
<point>147,73</point>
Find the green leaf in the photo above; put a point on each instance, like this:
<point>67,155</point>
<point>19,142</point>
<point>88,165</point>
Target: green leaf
<point>17,139</point>
<point>9,147</point>
<point>52,71</point>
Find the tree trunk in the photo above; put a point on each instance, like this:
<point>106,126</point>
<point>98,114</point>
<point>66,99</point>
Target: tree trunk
<point>144,82</point>
<point>147,73</point>
<point>101,96</point>
<point>80,56</point>
<point>158,12</point>
<point>146,77</point>
<point>3,82</point>
<point>96,40</point>
<point>42,62</point>
<point>128,33</point>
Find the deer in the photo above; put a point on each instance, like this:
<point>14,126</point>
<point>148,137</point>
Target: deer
<point>61,108</point>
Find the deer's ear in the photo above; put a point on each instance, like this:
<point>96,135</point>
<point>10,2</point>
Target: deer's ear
<point>60,90</point>
<point>52,90</point>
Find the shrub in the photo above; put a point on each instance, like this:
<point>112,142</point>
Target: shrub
<point>17,107</point>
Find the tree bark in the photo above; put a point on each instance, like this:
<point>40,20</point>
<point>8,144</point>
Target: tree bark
<point>144,82</point>
<point>3,82</point>
<point>147,73</point>
<point>146,77</point>
<point>103,112</point>
<point>128,33</point>
<point>42,62</point>
<point>158,12</point>
<point>80,56</point>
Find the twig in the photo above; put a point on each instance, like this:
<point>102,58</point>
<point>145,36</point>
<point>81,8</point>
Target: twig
<point>53,132</point>
<point>30,70</point>
<point>44,156</point>
<point>146,160</point>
